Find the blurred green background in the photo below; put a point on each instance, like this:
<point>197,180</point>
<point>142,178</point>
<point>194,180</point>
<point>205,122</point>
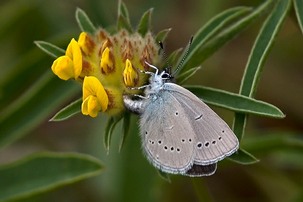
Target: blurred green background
<point>128,176</point>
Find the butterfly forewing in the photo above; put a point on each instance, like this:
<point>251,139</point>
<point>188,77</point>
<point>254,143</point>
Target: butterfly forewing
<point>214,140</point>
<point>168,137</point>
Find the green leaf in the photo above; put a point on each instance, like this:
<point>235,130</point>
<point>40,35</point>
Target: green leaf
<point>223,37</point>
<point>209,30</point>
<point>145,22</point>
<point>186,75</point>
<point>24,72</point>
<point>298,4</point>
<point>33,106</point>
<point>125,132</point>
<point>50,49</point>
<point>84,22</point>
<point>43,172</point>
<point>262,46</point>
<point>235,102</point>
<point>68,111</point>
<point>110,126</point>
<point>161,36</point>
<point>243,157</point>
<point>123,24</point>
<point>274,141</point>
<point>122,10</point>
<point>123,17</point>
<point>257,57</point>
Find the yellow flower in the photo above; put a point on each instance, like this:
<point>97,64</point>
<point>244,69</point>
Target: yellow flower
<point>69,65</point>
<point>130,75</point>
<point>106,62</point>
<point>86,43</point>
<point>95,98</point>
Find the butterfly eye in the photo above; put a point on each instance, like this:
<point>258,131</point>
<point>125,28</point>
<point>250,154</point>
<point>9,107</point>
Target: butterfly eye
<point>166,76</point>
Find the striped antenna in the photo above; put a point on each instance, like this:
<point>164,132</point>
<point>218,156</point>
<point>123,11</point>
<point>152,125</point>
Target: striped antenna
<point>185,55</point>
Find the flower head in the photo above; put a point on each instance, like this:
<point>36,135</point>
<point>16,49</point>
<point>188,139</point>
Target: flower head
<point>106,65</point>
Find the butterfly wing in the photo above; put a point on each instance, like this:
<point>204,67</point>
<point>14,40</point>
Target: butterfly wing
<point>214,140</point>
<point>167,136</point>
<point>201,170</point>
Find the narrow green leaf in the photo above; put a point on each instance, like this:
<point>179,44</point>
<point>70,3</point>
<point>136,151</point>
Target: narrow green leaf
<point>29,67</point>
<point>123,17</point>
<point>125,132</point>
<point>145,22</point>
<point>235,102</point>
<point>186,75</point>
<point>43,172</point>
<point>161,36</point>
<point>224,36</point>
<point>50,49</point>
<point>84,22</point>
<point>243,157</point>
<point>33,107</point>
<point>123,24</point>
<point>68,111</point>
<point>209,30</point>
<point>123,11</point>
<point>262,46</point>
<point>257,57</point>
<point>298,4</point>
<point>110,126</point>
<point>239,124</point>
<point>274,141</point>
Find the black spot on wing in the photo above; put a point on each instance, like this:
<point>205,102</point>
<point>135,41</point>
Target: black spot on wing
<point>198,117</point>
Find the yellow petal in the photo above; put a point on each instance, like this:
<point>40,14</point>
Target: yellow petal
<point>90,106</point>
<point>63,67</point>
<point>130,75</point>
<point>73,51</point>
<point>93,87</point>
<point>86,43</point>
<point>106,63</point>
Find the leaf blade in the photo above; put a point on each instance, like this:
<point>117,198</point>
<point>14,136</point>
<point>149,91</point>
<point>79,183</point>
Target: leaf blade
<point>20,116</point>
<point>235,102</point>
<point>110,126</point>
<point>126,127</point>
<point>223,37</point>
<point>50,49</point>
<point>298,4</point>
<point>209,30</point>
<point>123,17</point>
<point>162,35</point>
<point>68,111</point>
<point>84,22</point>
<point>257,57</point>
<point>43,172</point>
<point>145,22</point>
<point>243,157</point>
<point>262,46</point>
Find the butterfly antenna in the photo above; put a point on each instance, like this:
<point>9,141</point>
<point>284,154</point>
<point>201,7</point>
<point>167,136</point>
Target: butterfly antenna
<point>167,69</point>
<point>185,55</point>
